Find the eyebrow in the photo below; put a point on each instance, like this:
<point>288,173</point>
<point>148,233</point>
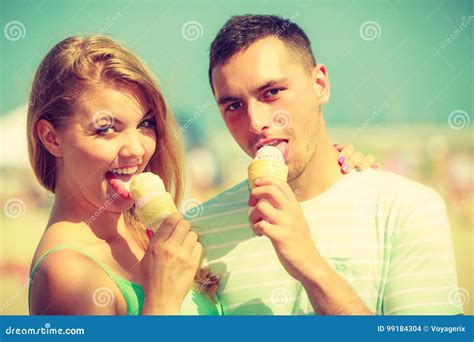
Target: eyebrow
<point>268,84</point>
<point>143,117</point>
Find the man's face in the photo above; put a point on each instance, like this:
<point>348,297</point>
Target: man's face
<point>267,96</point>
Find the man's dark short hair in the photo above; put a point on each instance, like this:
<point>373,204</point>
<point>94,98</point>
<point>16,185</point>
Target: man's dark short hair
<point>239,32</point>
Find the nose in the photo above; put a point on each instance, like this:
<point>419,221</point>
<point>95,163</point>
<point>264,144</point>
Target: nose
<point>259,116</point>
<point>132,146</point>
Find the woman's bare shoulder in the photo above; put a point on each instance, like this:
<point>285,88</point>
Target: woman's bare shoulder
<point>62,233</point>
<point>67,282</point>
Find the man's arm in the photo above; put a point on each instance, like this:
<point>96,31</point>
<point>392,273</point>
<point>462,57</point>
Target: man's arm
<point>278,216</point>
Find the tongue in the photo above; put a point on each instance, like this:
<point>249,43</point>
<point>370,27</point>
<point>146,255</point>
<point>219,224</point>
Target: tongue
<point>283,147</point>
<point>118,185</point>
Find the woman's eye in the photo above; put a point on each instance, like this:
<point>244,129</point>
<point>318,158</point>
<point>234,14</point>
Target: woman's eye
<point>104,130</point>
<point>272,92</point>
<point>234,106</point>
<point>147,123</point>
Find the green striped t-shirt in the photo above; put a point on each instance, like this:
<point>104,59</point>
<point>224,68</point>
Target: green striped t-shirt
<point>387,236</point>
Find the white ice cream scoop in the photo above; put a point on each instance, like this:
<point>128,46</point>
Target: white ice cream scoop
<point>269,153</point>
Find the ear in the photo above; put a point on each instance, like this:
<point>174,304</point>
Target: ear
<point>49,137</point>
<point>321,83</point>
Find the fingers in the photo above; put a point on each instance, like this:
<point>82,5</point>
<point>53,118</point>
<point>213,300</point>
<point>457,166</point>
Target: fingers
<point>264,211</point>
<point>279,184</point>
<point>343,156</point>
<point>179,233</point>
<point>350,159</point>
<point>167,226</point>
<point>264,228</point>
<point>356,160</point>
<point>268,192</point>
<point>190,241</point>
<point>367,162</point>
<point>196,255</point>
<point>346,151</point>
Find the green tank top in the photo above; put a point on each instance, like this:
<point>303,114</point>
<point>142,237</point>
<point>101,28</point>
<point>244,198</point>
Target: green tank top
<point>195,303</point>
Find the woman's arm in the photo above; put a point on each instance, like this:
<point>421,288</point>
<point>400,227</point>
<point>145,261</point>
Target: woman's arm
<point>69,283</point>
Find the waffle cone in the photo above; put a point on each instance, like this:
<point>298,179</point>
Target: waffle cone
<point>156,210</point>
<point>266,168</point>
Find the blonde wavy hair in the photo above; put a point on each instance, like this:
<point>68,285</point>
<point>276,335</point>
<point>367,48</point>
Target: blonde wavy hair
<point>76,64</point>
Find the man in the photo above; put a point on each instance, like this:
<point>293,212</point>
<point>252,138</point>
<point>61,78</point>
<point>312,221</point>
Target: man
<point>369,242</point>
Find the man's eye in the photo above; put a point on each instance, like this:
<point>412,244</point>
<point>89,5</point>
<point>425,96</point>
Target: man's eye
<point>271,92</point>
<point>104,130</point>
<point>149,123</point>
<point>234,106</point>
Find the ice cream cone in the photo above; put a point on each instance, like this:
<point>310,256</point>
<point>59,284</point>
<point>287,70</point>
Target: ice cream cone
<point>268,162</point>
<point>153,203</point>
<point>157,209</point>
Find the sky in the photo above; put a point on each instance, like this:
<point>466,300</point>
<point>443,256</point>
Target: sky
<point>389,62</point>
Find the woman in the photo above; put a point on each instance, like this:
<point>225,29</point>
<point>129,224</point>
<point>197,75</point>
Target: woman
<point>95,110</point>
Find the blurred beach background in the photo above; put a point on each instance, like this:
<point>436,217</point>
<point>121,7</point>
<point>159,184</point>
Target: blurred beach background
<point>401,88</point>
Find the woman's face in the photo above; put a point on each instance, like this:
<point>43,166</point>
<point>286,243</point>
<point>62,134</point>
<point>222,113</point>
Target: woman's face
<point>112,130</point>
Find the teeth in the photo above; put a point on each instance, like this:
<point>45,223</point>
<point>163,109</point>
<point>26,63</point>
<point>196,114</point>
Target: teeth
<point>126,171</point>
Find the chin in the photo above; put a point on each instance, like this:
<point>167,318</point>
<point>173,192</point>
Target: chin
<point>294,171</point>
<point>115,203</point>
